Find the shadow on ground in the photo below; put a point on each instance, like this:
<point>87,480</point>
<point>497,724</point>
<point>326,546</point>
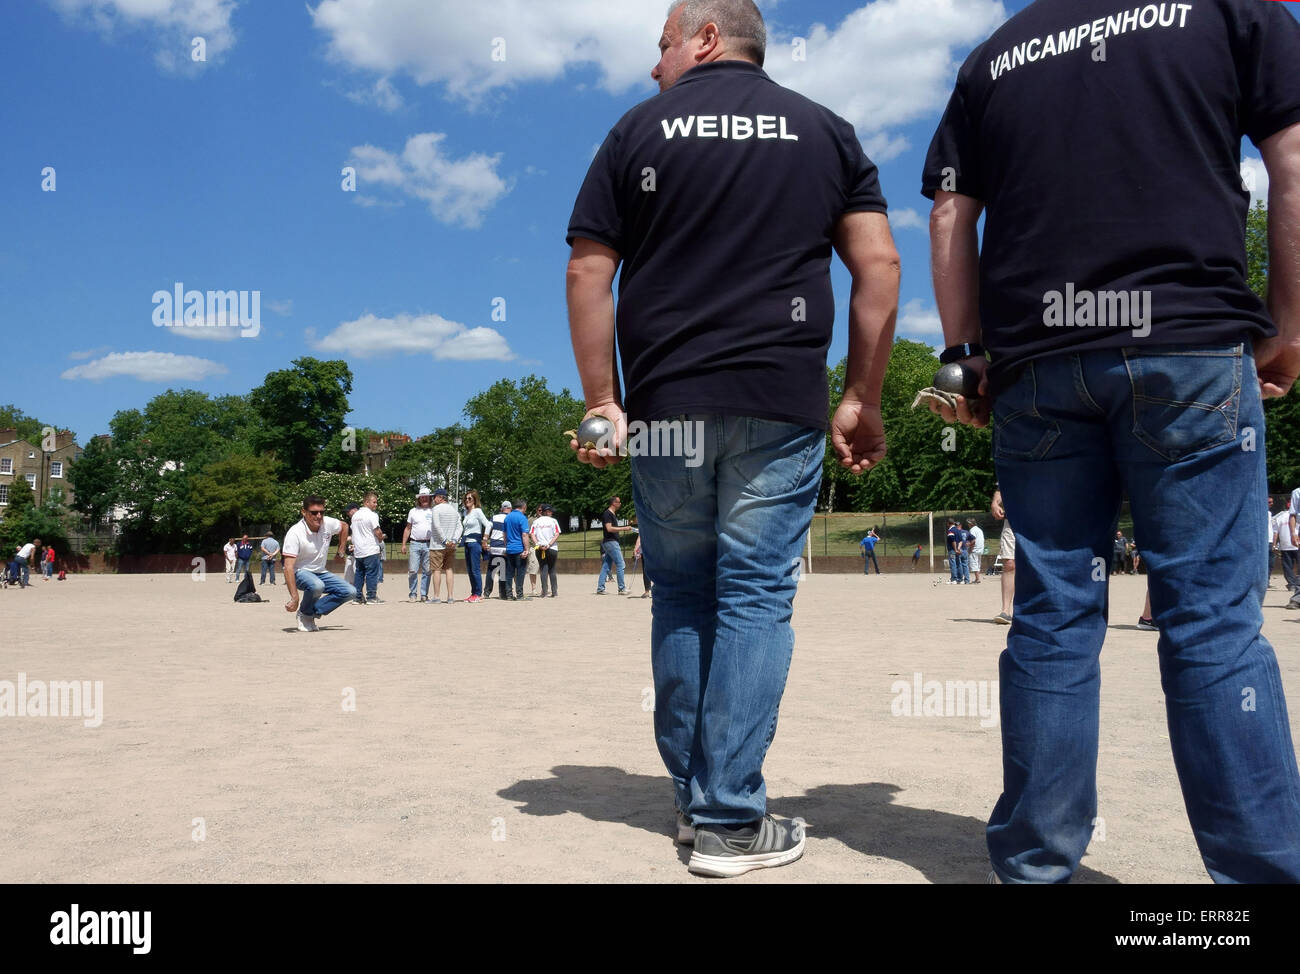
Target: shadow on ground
<point>943,847</point>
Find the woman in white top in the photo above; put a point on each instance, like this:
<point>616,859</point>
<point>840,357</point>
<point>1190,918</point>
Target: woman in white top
<point>474,525</point>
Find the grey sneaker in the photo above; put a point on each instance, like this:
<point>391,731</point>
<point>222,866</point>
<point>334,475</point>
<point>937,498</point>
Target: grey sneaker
<point>723,852</point>
<point>993,880</point>
<point>374,601</point>
<point>306,623</point>
<point>1147,625</point>
<point>685,830</point>
<point>1002,619</point>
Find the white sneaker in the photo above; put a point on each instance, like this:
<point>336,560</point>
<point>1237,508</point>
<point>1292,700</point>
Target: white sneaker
<point>306,623</point>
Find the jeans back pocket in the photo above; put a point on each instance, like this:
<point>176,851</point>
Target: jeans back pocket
<point>1185,400</point>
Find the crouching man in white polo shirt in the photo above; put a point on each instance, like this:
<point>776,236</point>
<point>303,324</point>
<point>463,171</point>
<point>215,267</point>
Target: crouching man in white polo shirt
<point>306,550</point>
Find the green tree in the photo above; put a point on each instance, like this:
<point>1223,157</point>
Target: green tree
<point>29,427</point>
<point>26,521</point>
<point>301,410</point>
<point>233,492</point>
<point>94,481</point>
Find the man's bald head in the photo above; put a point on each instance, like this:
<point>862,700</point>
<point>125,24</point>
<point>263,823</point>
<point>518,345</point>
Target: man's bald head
<point>739,23</point>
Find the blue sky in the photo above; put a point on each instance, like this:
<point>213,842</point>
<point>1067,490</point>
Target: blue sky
<point>469,126</point>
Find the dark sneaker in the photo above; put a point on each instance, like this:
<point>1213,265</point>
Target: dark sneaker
<point>722,852</point>
<point>1147,625</point>
<point>685,830</point>
<point>1002,619</point>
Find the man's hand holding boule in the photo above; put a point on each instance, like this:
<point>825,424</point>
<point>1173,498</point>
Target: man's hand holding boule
<point>604,455</point>
<point>971,412</point>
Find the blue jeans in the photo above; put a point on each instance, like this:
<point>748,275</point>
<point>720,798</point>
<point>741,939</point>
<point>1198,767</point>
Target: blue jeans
<point>473,562</point>
<point>321,592</point>
<point>25,573</point>
<point>367,575</point>
<point>727,536</point>
<point>418,567</point>
<point>954,568</point>
<point>1181,429</point>
<point>516,569</point>
<point>268,565</point>
<point>869,559</point>
<point>611,562</point>
<point>241,567</point>
<point>963,566</point>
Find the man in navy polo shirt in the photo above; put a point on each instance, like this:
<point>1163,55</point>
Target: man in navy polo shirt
<point>723,199</point>
<point>1101,140</point>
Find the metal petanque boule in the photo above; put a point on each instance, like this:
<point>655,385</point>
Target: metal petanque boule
<point>958,380</point>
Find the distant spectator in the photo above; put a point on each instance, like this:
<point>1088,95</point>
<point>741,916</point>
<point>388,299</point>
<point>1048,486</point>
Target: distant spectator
<point>916,557</point>
<point>443,544</point>
<point>952,539</point>
<point>611,551</point>
<point>496,569</point>
<point>244,553</point>
<point>518,543</point>
<point>475,529</point>
<point>367,539</point>
<point>976,547</point>
<point>270,548</point>
<point>418,531</point>
<point>1119,553</point>
<point>47,564</point>
<point>638,554</point>
<point>230,551</point>
<point>868,546</point>
<point>546,536</point>
<point>1280,526</point>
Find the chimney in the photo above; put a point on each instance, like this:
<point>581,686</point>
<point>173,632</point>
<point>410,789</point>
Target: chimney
<point>63,438</point>
<point>8,435</point>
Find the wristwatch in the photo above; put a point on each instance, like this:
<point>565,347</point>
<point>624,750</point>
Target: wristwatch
<point>955,353</point>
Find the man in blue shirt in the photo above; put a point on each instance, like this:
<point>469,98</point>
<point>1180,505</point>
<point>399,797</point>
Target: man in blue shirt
<point>954,568</point>
<point>518,541</point>
<point>243,554</point>
<point>868,546</point>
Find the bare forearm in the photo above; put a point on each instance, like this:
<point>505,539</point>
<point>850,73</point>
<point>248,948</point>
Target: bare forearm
<point>1284,243</point>
<point>954,264</point>
<point>591,328</point>
<point>873,314</point>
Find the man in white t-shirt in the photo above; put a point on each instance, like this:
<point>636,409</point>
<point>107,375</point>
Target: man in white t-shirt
<point>1293,525</point>
<point>1280,536</point>
<point>230,551</point>
<point>366,544</point>
<point>976,547</point>
<point>24,562</point>
<point>306,552</point>
<point>546,535</point>
<point>418,532</point>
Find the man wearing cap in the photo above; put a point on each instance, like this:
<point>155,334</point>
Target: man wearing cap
<point>418,531</point>
<point>496,542</point>
<point>442,544</point>
<point>518,541</point>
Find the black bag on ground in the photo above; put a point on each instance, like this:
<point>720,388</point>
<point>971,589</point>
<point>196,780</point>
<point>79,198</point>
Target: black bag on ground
<point>247,591</point>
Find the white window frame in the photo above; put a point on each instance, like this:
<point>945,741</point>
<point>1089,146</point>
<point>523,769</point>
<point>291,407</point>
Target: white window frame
<point>4,495</point>
<point>7,466</point>
<point>31,480</point>
<point>31,454</point>
<point>56,469</point>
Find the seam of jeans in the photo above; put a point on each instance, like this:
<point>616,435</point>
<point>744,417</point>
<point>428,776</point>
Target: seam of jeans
<point>1081,386</point>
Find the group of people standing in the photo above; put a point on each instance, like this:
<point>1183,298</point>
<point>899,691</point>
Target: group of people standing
<point>499,551</point>
<point>965,548</point>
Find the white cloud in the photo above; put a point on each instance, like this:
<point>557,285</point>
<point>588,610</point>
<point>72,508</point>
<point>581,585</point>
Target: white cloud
<point>83,354</point>
<point>147,367</point>
<point>381,94</point>
<point>1255,178</point>
<point>282,308</point>
<point>916,318</point>
<point>370,336</point>
<point>173,22</point>
<point>887,64</point>
<point>907,218</point>
<point>448,42</point>
<point>457,191</point>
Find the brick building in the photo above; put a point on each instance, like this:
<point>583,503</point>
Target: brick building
<point>21,460</point>
<point>381,449</point>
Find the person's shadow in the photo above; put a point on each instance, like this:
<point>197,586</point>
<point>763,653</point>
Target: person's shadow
<point>944,847</point>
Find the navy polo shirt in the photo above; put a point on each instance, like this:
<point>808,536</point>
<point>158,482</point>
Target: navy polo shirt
<point>1104,138</point>
<point>721,196</point>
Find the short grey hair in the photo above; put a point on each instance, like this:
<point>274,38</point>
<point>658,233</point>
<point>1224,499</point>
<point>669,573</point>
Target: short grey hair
<point>738,20</point>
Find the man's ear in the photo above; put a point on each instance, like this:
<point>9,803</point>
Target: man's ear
<point>710,39</point>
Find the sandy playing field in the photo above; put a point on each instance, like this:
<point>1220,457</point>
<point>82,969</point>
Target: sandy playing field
<point>513,742</point>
